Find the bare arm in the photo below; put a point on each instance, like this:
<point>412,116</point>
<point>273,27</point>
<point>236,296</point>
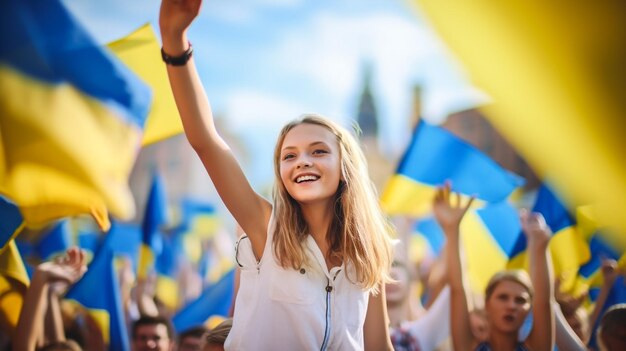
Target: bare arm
<point>449,218</point>
<point>541,336</point>
<point>248,208</point>
<point>609,274</point>
<point>54,321</point>
<point>376,329</point>
<point>30,327</point>
<point>566,338</point>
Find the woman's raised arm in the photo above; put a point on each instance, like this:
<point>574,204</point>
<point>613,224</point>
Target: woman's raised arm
<point>248,208</point>
<point>542,334</point>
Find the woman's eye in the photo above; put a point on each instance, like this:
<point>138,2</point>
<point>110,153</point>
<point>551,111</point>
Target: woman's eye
<point>287,157</point>
<point>319,151</point>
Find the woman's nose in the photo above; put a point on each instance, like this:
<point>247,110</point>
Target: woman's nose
<point>304,163</point>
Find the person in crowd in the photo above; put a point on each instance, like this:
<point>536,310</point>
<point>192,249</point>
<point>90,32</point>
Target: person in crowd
<point>51,279</point>
<point>191,339</point>
<point>321,249</point>
<point>509,296</point>
<point>152,333</point>
<point>216,338</point>
<point>612,329</point>
<point>411,329</point>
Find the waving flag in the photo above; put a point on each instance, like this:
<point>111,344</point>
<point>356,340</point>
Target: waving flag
<point>11,222</point>
<point>556,74</point>
<point>488,236</point>
<point>567,247</point>
<point>140,51</point>
<point>71,117</point>
<point>155,216</point>
<point>435,156</point>
<point>214,300</point>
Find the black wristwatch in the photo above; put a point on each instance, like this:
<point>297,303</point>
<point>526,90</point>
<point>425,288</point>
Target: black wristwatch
<point>177,60</point>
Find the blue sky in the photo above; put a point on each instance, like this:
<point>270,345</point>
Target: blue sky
<point>264,62</point>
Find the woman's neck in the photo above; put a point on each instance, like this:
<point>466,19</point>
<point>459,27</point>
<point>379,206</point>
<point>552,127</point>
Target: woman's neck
<point>318,218</point>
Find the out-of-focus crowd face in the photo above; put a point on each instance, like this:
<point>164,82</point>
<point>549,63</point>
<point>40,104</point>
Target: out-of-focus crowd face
<point>152,337</point>
<point>398,291</point>
<point>508,306</point>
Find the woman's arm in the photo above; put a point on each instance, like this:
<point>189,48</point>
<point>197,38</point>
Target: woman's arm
<point>538,233</point>
<point>248,208</point>
<point>566,338</point>
<point>449,218</point>
<point>609,274</point>
<point>30,327</point>
<point>376,328</point>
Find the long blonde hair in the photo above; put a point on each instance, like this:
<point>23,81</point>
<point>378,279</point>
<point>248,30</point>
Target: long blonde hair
<point>359,233</point>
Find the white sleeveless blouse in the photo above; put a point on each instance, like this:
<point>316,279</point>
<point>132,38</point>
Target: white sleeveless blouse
<point>286,309</point>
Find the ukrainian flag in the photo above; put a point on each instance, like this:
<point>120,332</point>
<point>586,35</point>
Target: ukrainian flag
<point>214,300</point>
<point>430,230</point>
<point>155,216</point>
<point>71,117</point>
<point>487,237</point>
<point>13,284</point>
<point>601,246</point>
<point>167,268</point>
<point>11,222</point>
<point>435,156</point>
<point>555,71</point>
<point>567,246</point>
<point>98,291</point>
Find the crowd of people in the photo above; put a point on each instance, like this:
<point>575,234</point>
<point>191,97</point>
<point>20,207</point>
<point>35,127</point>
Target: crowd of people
<point>317,267</point>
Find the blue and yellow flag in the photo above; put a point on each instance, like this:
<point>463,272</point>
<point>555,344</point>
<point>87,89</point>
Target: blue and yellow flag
<point>214,300</point>
<point>487,238</point>
<point>435,156</point>
<point>556,75</point>
<point>568,248</point>
<point>11,222</point>
<point>167,268</point>
<point>428,228</point>
<point>71,116</point>
<point>155,216</point>
<point>140,51</point>
<point>98,291</point>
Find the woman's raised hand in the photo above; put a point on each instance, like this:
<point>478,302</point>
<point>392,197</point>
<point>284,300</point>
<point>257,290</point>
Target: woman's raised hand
<point>448,215</point>
<point>64,270</point>
<point>175,17</point>
<point>535,228</point>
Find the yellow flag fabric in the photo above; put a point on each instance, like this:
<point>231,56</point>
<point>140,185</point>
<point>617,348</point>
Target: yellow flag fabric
<point>13,284</point>
<point>140,51</point>
<point>556,73</point>
<point>71,117</point>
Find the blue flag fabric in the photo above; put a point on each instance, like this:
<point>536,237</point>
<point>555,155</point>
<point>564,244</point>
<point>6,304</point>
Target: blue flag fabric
<point>214,300</point>
<point>98,291</point>
<point>55,241</point>
<point>11,222</point>
<point>435,156</point>
<point>155,216</point>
